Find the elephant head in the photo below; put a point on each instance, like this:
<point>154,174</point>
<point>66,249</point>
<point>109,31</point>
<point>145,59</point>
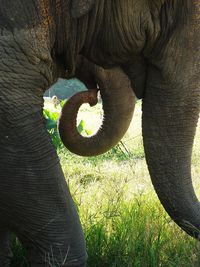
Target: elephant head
<point>118,105</point>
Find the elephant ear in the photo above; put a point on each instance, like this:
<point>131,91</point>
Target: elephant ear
<point>81,7</point>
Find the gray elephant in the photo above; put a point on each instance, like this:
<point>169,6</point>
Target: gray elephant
<point>157,44</point>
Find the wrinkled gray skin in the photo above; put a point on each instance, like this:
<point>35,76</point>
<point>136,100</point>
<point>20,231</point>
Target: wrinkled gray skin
<point>157,43</point>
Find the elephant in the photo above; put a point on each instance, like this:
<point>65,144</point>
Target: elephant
<point>149,46</point>
<point>158,46</point>
<point>35,202</point>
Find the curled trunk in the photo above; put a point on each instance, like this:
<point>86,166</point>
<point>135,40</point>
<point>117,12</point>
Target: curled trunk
<point>118,105</point>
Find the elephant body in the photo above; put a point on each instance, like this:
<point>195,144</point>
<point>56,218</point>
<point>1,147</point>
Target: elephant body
<point>157,45</point>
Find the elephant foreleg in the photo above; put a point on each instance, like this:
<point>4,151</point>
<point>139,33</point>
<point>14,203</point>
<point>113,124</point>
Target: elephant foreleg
<point>39,208</point>
<point>46,222</point>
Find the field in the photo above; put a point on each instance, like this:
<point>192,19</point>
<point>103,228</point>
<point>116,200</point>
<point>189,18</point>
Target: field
<point>123,221</point>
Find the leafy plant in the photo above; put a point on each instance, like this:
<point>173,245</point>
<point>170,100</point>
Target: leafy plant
<point>51,124</point>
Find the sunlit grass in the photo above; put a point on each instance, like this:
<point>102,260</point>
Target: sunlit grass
<point>124,223</point>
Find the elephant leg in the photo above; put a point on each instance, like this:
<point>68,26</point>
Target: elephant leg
<point>5,250</point>
<point>47,223</point>
<point>35,198</point>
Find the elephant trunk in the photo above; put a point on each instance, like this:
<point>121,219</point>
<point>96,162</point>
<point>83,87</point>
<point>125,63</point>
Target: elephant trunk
<point>169,124</point>
<point>118,106</point>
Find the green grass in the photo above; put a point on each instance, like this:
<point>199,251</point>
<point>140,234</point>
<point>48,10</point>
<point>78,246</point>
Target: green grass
<point>123,221</point>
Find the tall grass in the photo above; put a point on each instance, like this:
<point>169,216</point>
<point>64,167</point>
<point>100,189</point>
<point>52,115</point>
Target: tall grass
<point>123,221</point>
